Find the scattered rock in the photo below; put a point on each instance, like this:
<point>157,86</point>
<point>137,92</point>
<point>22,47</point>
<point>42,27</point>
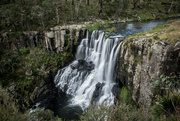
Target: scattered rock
<point>29,73</point>
<point>97,93</point>
<point>149,35</point>
<point>177,45</point>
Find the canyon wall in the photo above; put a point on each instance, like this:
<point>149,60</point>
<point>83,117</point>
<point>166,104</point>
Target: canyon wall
<point>56,39</point>
<point>140,62</point>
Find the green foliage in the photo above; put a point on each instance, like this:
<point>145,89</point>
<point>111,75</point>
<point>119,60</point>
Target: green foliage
<point>126,95</point>
<point>43,115</point>
<point>8,109</point>
<point>106,36</point>
<point>39,63</point>
<point>112,29</point>
<point>75,43</point>
<point>25,51</point>
<point>68,43</point>
<point>125,46</point>
<point>149,40</point>
<point>9,63</point>
<point>168,105</point>
<point>166,83</point>
<point>1,51</point>
<point>156,37</point>
<point>91,28</point>
<point>149,55</point>
<point>130,40</point>
<point>119,112</point>
<point>96,113</point>
<point>106,24</point>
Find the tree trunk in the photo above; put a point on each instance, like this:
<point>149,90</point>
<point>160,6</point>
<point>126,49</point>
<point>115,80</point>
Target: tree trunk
<point>170,7</point>
<point>22,17</point>
<point>87,2</point>
<point>57,14</point>
<point>136,2</point>
<point>80,3</point>
<point>100,7</point>
<point>42,22</point>
<point>72,2</point>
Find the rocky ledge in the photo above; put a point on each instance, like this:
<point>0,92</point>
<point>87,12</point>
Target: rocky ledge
<point>147,55</point>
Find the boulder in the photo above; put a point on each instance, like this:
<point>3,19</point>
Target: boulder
<point>97,93</point>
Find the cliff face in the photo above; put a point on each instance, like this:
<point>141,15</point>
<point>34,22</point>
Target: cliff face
<point>144,57</point>
<point>56,39</point>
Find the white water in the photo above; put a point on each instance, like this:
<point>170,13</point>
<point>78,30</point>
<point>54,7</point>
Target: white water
<point>99,56</point>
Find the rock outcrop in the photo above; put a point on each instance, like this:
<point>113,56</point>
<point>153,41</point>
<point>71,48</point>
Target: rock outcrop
<point>140,63</point>
<point>54,40</point>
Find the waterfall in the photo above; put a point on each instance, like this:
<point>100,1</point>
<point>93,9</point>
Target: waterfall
<point>91,77</point>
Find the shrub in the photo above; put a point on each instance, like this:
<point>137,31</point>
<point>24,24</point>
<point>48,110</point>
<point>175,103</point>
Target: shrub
<point>112,29</point>
<point>106,24</point>
<point>149,55</point>
<point>168,105</point>
<point>98,113</point>
<point>156,37</point>
<point>91,28</point>
<point>43,115</point>
<point>126,95</point>
<point>25,51</point>
<point>106,36</point>
<point>8,109</point>
<point>166,83</point>
<point>149,40</point>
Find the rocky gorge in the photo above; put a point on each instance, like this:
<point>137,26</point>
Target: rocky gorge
<point>142,57</point>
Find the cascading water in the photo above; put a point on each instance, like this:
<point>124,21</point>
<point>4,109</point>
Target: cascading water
<point>91,77</point>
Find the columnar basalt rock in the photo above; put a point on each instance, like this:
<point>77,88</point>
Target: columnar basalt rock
<point>53,40</point>
<point>140,63</point>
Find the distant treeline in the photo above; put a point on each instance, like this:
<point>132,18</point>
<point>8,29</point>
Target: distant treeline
<point>17,15</point>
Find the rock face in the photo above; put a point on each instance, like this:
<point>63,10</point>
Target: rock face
<point>54,40</point>
<point>140,62</point>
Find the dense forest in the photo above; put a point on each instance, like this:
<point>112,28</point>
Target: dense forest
<point>17,15</point>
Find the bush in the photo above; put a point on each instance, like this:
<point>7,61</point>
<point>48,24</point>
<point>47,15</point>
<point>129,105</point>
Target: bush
<point>149,55</point>
<point>165,84</point>
<point>98,113</point>
<point>25,51</point>
<point>168,105</point>
<point>156,37</point>
<point>91,28</point>
<point>126,95</point>
<point>112,29</point>
<point>43,115</point>
<point>8,109</point>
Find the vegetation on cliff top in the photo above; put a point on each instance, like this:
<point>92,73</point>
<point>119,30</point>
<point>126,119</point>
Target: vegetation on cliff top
<point>168,32</point>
